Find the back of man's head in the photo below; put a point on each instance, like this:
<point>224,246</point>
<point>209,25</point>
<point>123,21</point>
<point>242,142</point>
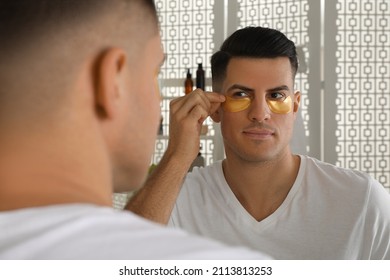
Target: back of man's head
<point>252,42</point>
<point>44,42</point>
<point>23,22</point>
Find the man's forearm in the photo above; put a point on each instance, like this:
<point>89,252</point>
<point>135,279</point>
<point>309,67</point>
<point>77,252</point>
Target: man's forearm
<point>157,198</point>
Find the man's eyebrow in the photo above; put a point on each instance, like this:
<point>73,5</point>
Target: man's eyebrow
<point>240,87</point>
<point>280,88</point>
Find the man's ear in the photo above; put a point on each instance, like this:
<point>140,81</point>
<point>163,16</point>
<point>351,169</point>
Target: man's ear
<point>216,116</point>
<point>109,68</point>
<point>297,101</point>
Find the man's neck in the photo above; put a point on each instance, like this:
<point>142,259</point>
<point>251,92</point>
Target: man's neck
<point>261,187</point>
<point>33,174</point>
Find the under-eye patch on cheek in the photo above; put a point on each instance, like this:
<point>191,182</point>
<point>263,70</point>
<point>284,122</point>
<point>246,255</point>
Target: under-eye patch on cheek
<point>280,106</point>
<point>240,104</point>
<point>236,104</point>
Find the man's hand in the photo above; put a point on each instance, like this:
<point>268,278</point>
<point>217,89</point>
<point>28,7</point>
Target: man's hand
<point>187,115</point>
<point>156,199</point>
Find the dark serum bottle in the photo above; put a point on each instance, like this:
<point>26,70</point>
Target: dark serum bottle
<point>188,83</point>
<point>200,80</point>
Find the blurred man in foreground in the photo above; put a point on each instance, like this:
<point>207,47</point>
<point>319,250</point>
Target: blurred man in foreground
<point>79,111</point>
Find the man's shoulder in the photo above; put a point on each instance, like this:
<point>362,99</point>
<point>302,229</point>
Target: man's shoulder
<point>333,168</point>
<point>334,175</point>
<point>203,182</point>
<point>93,232</point>
<point>208,174</point>
<point>211,168</point>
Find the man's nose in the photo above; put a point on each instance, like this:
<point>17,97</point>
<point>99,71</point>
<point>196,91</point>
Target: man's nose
<point>259,110</point>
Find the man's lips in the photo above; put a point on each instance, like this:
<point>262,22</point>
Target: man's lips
<point>259,133</point>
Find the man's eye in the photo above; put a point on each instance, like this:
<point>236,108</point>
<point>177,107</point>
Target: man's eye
<point>277,96</point>
<point>240,94</point>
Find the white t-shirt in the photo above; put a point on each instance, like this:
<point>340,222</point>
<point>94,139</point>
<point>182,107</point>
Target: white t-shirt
<point>82,231</point>
<point>329,213</point>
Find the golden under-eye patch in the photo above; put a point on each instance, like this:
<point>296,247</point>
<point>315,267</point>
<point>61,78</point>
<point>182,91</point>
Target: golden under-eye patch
<point>236,105</point>
<point>277,106</point>
<point>280,107</point>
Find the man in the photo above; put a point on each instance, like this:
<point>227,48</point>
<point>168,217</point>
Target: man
<point>261,195</point>
<point>79,116</point>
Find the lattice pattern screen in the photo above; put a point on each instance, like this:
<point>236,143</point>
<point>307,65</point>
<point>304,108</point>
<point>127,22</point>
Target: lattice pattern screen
<point>187,35</point>
<point>291,18</point>
<point>363,87</point>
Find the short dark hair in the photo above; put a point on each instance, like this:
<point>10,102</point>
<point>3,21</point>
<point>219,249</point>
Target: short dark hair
<point>21,20</point>
<point>43,42</point>
<point>252,42</point>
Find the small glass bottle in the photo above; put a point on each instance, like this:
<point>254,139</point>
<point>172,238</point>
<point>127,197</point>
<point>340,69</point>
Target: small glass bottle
<point>188,83</point>
<point>200,79</point>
